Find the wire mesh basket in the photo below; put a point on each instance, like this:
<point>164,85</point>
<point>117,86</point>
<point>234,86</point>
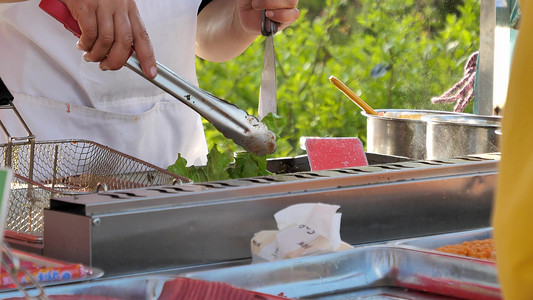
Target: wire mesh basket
<point>69,167</point>
<point>46,169</point>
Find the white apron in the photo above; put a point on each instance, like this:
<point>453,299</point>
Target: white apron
<point>60,96</point>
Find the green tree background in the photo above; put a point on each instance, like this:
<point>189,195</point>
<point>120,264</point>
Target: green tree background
<point>423,43</point>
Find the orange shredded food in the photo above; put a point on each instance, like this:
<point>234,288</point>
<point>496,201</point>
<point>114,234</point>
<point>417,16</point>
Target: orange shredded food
<point>483,249</point>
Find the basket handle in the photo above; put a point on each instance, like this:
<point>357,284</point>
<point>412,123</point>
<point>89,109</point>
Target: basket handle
<point>6,102</point>
<point>5,95</point>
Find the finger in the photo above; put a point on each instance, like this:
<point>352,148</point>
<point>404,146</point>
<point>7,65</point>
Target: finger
<point>86,17</point>
<point>278,4</point>
<point>121,47</point>
<point>142,44</point>
<point>105,38</point>
<point>284,17</point>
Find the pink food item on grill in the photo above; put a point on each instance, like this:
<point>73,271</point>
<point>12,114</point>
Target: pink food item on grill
<point>335,153</point>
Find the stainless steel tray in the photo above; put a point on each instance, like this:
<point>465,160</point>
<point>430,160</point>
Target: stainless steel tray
<point>144,288</point>
<point>368,272</point>
<point>430,243</point>
<point>362,271</point>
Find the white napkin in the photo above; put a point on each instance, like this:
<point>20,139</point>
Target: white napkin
<point>303,229</point>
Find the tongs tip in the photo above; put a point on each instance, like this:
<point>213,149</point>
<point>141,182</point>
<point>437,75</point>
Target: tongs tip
<point>260,141</point>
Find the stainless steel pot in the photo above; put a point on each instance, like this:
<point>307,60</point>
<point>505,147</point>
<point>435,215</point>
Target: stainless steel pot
<point>460,135</point>
<point>398,132</point>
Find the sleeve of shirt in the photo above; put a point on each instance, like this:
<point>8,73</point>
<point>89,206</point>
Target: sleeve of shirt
<point>513,208</point>
<point>203,4</point>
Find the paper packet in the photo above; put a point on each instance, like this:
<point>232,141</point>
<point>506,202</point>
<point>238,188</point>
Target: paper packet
<point>303,229</point>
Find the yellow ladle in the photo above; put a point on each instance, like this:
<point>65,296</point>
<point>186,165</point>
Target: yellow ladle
<point>350,94</point>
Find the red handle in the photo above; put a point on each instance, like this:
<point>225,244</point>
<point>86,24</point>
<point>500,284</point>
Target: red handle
<point>60,12</point>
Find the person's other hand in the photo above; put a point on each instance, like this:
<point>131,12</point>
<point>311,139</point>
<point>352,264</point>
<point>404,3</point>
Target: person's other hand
<point>109,29</point>
<point>282,11</point>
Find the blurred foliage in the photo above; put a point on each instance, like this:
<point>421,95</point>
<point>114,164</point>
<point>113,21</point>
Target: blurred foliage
<point>424,45</point>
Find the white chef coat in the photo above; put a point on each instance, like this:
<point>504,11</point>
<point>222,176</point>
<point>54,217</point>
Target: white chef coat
<point>60,96</point>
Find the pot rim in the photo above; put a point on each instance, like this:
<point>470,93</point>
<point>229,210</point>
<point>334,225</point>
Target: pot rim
<point>465,119</point>
<point>426,112</point>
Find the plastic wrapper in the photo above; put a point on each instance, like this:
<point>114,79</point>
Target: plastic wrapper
<point>303,229</point>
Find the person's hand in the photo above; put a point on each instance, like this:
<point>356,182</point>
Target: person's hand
<point>109,29</point>
<point>227,27</point>
<point>282,11</point>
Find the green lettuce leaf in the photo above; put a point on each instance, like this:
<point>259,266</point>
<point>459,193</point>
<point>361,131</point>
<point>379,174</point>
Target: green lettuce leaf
<point>222,166</point>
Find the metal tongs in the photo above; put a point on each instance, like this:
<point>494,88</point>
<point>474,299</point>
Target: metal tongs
<point>244,129</point>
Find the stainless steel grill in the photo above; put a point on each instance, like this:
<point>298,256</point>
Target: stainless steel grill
<point>165,227</point>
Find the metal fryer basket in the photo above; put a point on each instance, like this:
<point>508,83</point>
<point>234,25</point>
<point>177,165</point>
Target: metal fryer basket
<point>43,169</point>
<point>67,167</point>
